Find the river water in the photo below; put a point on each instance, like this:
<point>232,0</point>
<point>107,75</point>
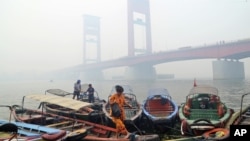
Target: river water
<point>230,91</point>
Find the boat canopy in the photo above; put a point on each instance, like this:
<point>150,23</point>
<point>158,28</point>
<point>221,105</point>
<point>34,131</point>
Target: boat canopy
<point>58,92</point>
<point>158,91</point>
<point>58,100</point>
<point>204,89</point>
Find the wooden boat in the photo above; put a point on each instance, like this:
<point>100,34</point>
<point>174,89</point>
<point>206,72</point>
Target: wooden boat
<point>203,111</point>
<point>95,132</point>
<point>242,117</point>
<point>97,105</point>
<point>84,96</point>
<point>9,132</point>
<point>64,106</point>
<point>160,108</point>
<point>132,114</point>
<point>32,131</point>
<point>98,132</point>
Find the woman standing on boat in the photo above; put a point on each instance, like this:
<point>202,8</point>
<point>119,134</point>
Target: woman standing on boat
<point>119,99</point>
<point>77,89</point>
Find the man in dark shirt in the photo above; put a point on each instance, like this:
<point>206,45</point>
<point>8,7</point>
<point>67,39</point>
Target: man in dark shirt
<point>90,92</point>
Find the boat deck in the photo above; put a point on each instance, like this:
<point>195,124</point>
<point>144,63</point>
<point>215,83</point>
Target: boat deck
<point>129,113</point>
<point>161,113</point>
<point>210,114</point>
<point>245,118</point>
<point>158,108</point>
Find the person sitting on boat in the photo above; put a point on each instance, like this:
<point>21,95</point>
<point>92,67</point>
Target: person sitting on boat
<point>77,89</point>
<point>90,92</point>
<point>119,98</point>
<point>213,101</point>
<point>203,105</point>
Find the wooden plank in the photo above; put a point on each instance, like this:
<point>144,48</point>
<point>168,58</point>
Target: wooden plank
<point>29,134</point>
<point>98,130</point>
<point>72,126</point>
<point>59,124</point>
<point>37,127</point>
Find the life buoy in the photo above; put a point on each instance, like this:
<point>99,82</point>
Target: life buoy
<point>189,102</point>
<point>185,130</point>
<point>184,127</point>
<point>186,110</point>
<point>220,110</point>
<point>213,98</point>
<point>216,134</point>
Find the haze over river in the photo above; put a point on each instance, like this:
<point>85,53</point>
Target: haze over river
<point>230,91</point>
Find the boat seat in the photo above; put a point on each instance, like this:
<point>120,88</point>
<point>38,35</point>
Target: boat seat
<point>156,105</point>
<point>161,113</point>
<point>210,114</point>
<point>130,112</point>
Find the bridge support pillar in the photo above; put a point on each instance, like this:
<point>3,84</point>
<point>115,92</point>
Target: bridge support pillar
<point>91,75</point>
<point>223,69</point>
<point>140,72</point>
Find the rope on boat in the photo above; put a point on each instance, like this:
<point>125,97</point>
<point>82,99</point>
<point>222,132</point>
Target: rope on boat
<point>177,130</point>
<point>137,128</point>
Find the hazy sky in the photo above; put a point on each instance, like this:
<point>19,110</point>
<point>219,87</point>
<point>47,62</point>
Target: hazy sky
<point>40,35</point>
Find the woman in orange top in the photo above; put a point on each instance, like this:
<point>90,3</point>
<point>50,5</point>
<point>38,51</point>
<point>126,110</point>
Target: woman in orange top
<point>119,98</point>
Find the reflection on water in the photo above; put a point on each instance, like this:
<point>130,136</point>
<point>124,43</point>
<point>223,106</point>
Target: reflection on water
<point>230,91</point>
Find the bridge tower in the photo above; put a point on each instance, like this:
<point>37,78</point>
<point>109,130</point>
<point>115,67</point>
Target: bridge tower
<point>228,69</point>
<point>91,38</point>
<point>91,46</point>
<point>139,27</point>
<point>139,39</point>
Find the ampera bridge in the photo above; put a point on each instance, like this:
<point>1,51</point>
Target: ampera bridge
<point>227,65</point>
<point>140,61</point>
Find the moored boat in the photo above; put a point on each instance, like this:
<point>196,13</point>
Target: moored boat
<point>97,105</point>
<point>203,111</point>
<point>160,108</point>
<point>242,117</point>
<point>63,106</point>
<point>132,115</point>
<point>34,131</point>
<point>96,131</point>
